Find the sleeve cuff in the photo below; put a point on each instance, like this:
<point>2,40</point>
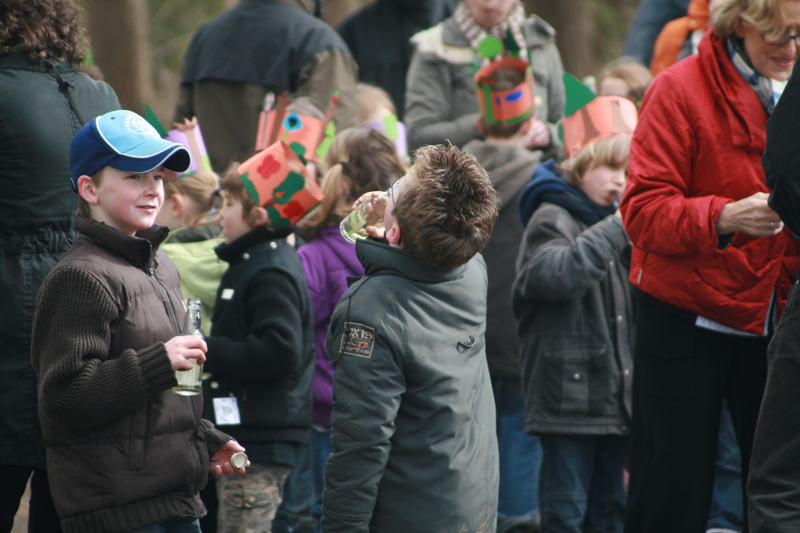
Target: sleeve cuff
<point>156,369</point>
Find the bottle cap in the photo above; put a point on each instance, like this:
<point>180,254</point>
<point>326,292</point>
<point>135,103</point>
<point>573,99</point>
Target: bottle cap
<point>239,460</point>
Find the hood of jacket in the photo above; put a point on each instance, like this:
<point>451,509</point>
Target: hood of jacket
<point>548,185</point>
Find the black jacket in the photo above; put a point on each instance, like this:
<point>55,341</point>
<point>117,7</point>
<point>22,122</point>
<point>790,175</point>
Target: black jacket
<point>37,221</point>
<point>261,349</point>
<point>379,37</point>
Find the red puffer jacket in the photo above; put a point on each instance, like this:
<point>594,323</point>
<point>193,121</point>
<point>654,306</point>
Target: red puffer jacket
<point>698,146</point>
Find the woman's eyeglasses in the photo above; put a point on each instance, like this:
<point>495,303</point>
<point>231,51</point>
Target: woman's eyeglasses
<point>783,39</point>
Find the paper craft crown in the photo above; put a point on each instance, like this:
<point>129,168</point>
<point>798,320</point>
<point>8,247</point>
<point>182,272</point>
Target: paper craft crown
<point>394,130</point>
<point>279,182</point>
<point>306,136</point>
<point>503,107</point>
<point>589,117</point>
<point>187,134</point>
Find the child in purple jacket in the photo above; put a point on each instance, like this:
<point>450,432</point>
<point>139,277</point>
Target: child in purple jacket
<point>359,161</point>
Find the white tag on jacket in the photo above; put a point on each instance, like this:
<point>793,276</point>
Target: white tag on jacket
<point>226,411</point>
<point>227,294</point>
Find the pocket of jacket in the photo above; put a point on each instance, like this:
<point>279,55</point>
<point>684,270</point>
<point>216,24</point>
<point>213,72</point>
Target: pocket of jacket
<point>568,378</point>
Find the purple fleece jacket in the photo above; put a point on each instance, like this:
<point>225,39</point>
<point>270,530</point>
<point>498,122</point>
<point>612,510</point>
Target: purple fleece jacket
<point>328,260</point>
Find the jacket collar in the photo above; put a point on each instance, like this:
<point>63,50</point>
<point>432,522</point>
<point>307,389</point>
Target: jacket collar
<point>16,60</point>
<point>536,31</point>
<point>137,249</point>
<point>234,252</point>
<point>380,259</point>
<point>746,116</point>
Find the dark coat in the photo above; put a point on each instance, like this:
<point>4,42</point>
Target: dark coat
<point>774,502</point>
<point>261,348</point>
<point>37,221</point>
<point>414,429</point>
<point>379,37</point>
<point>123,450</point>
<point>510,168</point>
<point>573,302</point>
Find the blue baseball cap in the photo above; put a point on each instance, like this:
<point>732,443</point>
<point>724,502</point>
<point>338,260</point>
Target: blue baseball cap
<point>125,141</point>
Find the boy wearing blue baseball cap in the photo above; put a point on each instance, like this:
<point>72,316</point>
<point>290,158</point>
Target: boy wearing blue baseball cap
<point>123,451</point>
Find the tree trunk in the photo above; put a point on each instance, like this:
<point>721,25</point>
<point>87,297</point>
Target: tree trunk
<point>118,29</point>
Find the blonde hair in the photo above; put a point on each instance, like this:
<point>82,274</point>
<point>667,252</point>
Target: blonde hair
<point>202,187</point>
<point>372,99</point>
<point>609,152</point>
<point>766,16</point>
<point>636,76</point>
<point>359,161</point>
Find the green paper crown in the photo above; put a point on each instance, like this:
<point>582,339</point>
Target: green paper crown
<point>578,94</point>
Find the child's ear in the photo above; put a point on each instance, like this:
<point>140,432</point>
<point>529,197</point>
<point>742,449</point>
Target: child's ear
<point>394,234</point>
<point>573,152</point>
<point>177,207</point>
<point>87,190</point>
<point>261,216</point>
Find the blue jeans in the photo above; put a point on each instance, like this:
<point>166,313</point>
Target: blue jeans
<point>520,458</point>
<point>581,486</point>
<point>650,19</point>
<point>172,525</point>
<point>321,448</point>
<point>294,513</point>
<point>727,504</point>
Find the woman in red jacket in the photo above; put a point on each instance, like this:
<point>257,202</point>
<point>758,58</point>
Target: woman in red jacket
<point>711,262</point>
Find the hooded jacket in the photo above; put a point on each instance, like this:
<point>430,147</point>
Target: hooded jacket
<point>698,147</point>
<point>37,222</point>
<point>441,104</point>
<point>572,298</point>
<point>252,48</point>
<point>510,169</point>
<point>414,429</point>
<point>328,260</point>
<point>123,450</point>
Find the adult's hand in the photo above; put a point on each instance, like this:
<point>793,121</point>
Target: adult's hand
<point>185,347</point>
<point>751,216</point>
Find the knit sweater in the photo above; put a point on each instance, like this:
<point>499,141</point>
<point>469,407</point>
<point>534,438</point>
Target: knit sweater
<point>123,451</point>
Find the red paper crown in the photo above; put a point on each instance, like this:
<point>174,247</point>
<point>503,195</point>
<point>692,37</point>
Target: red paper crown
<point>302,133</point>
<point>602,117</point>
<point>505,107</point>
<point>279,182</point>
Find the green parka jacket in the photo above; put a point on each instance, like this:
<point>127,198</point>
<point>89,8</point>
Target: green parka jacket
<point>413,424</point>
<point>37,221</point>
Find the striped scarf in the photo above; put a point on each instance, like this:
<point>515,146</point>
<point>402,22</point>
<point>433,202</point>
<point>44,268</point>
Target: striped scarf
<point>767,89</point>
<point>476,33</point>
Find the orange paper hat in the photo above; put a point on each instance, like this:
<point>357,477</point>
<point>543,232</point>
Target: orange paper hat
<point>591,118</point>
<point>278,181</point>
<point>302,133</point>
<point>505,107</point>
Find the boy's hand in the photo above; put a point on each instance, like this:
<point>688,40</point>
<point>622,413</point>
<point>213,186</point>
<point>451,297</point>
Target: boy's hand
<point>221,462</point>
<point>373,231</point>
<point>184,348</point>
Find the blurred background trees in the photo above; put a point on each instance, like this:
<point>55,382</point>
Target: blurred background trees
<point>139,44</point>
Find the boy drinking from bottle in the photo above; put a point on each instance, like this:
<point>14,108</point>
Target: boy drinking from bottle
<point>123,451</point>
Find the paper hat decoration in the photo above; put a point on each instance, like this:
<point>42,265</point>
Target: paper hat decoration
<point>278,181</point>
<point>505,107</point>
<point>394,130</point>
<point>303,134</point>
<point>187,134</point>
<point>590,117</point>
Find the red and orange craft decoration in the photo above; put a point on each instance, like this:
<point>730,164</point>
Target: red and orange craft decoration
<point>589,117</point>
<point>305,135</point>
<point>509,107</point>
<point>279,182</point>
